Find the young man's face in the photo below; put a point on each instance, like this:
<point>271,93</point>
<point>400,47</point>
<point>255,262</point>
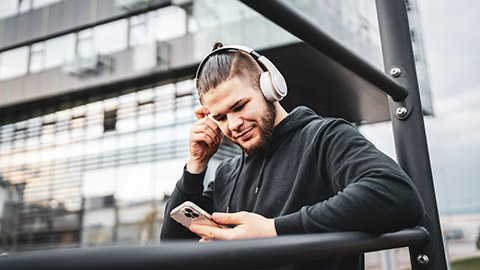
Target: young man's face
<point>242,113</point>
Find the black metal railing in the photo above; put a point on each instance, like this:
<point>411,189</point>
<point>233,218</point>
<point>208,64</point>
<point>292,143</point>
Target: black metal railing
<point>239,254</point>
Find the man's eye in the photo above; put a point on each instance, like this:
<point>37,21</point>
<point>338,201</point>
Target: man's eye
<point>221,118</point>
<point>239,108</point>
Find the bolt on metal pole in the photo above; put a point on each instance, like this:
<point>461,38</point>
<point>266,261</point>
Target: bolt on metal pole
<point>408,126</point>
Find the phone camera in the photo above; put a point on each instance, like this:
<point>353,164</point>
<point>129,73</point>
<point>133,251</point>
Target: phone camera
<point>188,215</point>
<point>188,210</point>
<point>195,215</point>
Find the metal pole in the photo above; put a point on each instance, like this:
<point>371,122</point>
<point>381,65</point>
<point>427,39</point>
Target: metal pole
<point>298,25</point>
<point>408,126</point>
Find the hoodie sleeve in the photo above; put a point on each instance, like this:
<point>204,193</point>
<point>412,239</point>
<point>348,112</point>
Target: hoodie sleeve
<point>372,193</point>
<point>188,188</point>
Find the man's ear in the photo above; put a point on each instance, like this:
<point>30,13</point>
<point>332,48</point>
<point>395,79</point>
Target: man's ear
<point>200,100</point>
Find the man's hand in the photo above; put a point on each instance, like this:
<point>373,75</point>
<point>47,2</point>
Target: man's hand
<point>205,139</point>
<point>248,225</point>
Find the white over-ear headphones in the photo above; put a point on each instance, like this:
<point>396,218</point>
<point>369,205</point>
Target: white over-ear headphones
<point>272,83</point>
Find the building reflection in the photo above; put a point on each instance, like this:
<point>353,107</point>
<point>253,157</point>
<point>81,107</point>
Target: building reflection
<point>97,174</point>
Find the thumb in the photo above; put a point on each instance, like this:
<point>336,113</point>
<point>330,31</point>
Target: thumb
<point>228,218</point>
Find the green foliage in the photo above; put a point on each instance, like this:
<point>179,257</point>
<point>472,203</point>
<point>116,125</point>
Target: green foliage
<point>467,264</point>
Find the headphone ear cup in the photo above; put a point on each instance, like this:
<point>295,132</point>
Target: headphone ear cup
<point>267,87</point>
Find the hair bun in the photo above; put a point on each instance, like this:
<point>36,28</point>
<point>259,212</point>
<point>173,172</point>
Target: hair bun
<point>217,45</point>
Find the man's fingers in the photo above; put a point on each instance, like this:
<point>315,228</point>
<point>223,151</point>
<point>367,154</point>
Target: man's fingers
<point>206,134</point>
<point>209,127</point>
<point>202,137</point>
<point>201,112</point>
<point>202,115</point>
<point>211,232</point>
<point>248,225</point>
<point>227,218</point>
<point>210,123</point>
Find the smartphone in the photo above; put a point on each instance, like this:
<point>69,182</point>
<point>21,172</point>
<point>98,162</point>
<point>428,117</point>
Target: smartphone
<point>188,213</point>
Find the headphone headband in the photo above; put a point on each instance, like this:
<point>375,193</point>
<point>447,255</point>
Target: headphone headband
<point>224,48</point>
<point>272,83</point>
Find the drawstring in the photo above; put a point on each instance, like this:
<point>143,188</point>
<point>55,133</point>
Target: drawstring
<point>259,179</point>
<point>260,175</point>
<point>236,181</point>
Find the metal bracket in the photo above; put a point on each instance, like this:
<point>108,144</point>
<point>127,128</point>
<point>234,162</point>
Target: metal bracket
<point>422,256</point>
<point>401,109</point>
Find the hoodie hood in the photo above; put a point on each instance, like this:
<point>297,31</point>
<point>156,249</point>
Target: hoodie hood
<point>296,119</point>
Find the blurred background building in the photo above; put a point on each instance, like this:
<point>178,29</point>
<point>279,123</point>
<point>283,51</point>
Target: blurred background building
<point>97,99</point>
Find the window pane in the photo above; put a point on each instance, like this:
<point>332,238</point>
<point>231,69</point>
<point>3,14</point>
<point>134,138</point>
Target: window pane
<point>8,8</point>
<point>33,142</point>
<point>164,135</point>
<point>165,118</point>
<point>138,30</point>
<point>85,43</point>
<point>127,140</point>
<point>42,3</point>
<point>111,37</point>
<point>146,137</point>
<point>37,59</point>
<point>169,23</point>
<point>166,176</point>
<point>13,63</point>
<point>24,6</point>
<point>99,182</point>
<point>135,182</point>
<point>59,50</point>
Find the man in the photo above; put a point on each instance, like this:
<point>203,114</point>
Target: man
<point>298,172</point>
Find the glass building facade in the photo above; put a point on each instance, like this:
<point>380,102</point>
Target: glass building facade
<point>94,131</point>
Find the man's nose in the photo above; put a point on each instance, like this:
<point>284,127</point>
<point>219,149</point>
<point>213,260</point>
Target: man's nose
<point>234,122</point>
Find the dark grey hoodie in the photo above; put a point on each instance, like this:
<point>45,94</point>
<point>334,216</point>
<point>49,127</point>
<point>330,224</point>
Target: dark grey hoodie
<point>317,175</point>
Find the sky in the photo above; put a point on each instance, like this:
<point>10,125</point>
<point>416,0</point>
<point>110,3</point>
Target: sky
<point>452,48</point>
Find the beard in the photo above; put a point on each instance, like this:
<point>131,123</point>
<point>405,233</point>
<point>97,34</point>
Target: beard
<point>265,128</point>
